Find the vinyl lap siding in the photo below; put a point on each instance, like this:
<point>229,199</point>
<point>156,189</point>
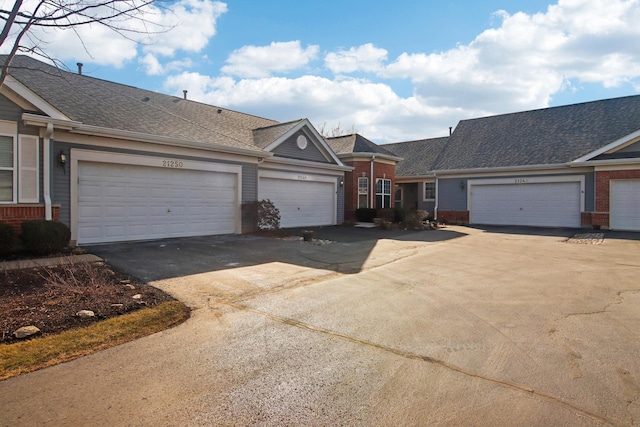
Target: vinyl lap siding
<point>290,149</point>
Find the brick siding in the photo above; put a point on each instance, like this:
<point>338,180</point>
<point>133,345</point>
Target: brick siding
<point>16,214</point>
<point>453,217</point>
<point>380,170</point>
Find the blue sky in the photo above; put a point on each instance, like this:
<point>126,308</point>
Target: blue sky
<point>392,71</point>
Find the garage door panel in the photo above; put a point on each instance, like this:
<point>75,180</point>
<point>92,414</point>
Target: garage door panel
<point>301,203</point>
<point>538,204</point>
<point>129,202</point>
<point>625,205</point>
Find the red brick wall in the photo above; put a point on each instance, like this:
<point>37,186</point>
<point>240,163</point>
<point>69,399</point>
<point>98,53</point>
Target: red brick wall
<point>600,218</point>
<point>17,214</point>
<point>453,217</point>
<point>380,170</point>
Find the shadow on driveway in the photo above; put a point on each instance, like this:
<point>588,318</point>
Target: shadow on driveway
<point>163,259</point>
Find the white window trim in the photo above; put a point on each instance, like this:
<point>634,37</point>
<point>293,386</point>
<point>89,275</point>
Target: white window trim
<point>365,193</point>
<point>424,191</point>
<point>383,193</point>
<point>10,129</point>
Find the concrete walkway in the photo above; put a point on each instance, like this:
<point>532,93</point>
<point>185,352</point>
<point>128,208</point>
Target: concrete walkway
<point>469,328</point>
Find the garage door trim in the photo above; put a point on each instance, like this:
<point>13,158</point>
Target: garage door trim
<point>159,162</point>
<point>305,177</point>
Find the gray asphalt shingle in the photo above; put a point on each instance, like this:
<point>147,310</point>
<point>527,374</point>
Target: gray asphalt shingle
<point>112,105</point>
<point>418,156</point>
<point>355,143</point>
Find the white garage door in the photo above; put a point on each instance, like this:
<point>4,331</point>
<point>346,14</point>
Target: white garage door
<point>301,203</point>
<point>127,202</point>
<point>625,205</point>
<point>536,204</point>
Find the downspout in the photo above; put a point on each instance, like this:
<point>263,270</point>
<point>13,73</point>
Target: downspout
<point>46,170</point>
<point>373,196</point>
<point>435,208</point>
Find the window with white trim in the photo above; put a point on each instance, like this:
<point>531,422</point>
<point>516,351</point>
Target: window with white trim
<point>19,165</point>
<point>363,192</point>
<point>429,191</point>
<point>383,193</point>
<point>7,157</point>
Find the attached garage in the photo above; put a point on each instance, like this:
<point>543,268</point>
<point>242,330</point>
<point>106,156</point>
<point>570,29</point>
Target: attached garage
<point>625,204</point>
<point>121,202</point>
<point>526,201</point>
<point>303,200</point>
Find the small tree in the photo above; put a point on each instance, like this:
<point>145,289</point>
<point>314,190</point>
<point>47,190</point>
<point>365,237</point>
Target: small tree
<point>118,16</point>
<point>268,215</point>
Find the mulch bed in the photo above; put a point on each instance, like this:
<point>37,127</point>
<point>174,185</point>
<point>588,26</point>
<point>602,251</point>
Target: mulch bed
<point>50,297</point>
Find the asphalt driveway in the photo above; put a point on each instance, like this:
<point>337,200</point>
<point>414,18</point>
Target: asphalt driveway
<point>460,326</point>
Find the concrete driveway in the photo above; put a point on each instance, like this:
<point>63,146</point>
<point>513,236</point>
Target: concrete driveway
<point>460,326</point>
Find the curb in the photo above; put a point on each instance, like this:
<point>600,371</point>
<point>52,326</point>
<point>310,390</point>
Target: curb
<point>47,262</point>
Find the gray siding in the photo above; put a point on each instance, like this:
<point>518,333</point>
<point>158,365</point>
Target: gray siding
<point>631,149</point>
<point>290,149</point>
<point>61,185</point>
<point>450,196</point>
<point>9,110</point>
<point>249,183</point>
<point>590,192</point>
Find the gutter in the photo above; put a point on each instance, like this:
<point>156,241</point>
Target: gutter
<point>80,128</point>
<point>606,162</point>
<point>373,200</point>
<point>46,170</point>
<point>311,164</point>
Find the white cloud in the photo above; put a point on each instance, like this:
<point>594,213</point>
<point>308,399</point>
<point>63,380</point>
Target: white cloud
<point>523,62</point>
<point>264,61</point>
<point>161,31</point>
<point>362,58</point>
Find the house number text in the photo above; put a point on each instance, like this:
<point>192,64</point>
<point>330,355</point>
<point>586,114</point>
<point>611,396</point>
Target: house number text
<point>172,164</point>
<point>521,180</point>
<point>302,177</point>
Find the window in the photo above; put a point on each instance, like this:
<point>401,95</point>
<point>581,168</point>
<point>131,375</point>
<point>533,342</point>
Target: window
<point>383,193</point>
<point>6,168</point>
<point>429,191</point>
<point>363,192</point>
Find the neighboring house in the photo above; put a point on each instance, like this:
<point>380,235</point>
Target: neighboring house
<point>371,182</point>
<point>569,166</point>
<point>118,163</point>
<point>415,183</point>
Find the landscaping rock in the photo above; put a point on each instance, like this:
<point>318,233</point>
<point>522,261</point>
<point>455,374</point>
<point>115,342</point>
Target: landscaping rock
<point>125,282</point>
<point>117,305</point>
<point>137,296</point>
<point>85,313</point>
<point>129,286</point>
<point>26,331</point>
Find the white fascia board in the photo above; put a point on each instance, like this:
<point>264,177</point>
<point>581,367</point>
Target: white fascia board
<point>305,122</point>
<point>609,162</point>
<point>499,169</point>
<point>80,128</point>
<point>282,162</point>
<point>612,147</point>
<point>34,99</point>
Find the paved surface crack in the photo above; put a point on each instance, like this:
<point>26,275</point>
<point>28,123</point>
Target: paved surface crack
<point>527,391</point>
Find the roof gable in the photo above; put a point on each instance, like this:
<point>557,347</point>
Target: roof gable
<point>356,143</point>
<point>285,143</point>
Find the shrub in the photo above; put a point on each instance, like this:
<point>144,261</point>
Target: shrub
<point>365,214</point>
<point>268,215</point>
<point>45,237</point>
<point>6,238</point>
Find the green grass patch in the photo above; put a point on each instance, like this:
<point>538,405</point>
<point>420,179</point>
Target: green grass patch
<point>39,353</point>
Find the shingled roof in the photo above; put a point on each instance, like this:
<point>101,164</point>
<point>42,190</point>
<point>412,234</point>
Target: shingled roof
<point>102,103</point>
<point>355,143</point>
<point>549,136</point>
<point>419,156</point>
